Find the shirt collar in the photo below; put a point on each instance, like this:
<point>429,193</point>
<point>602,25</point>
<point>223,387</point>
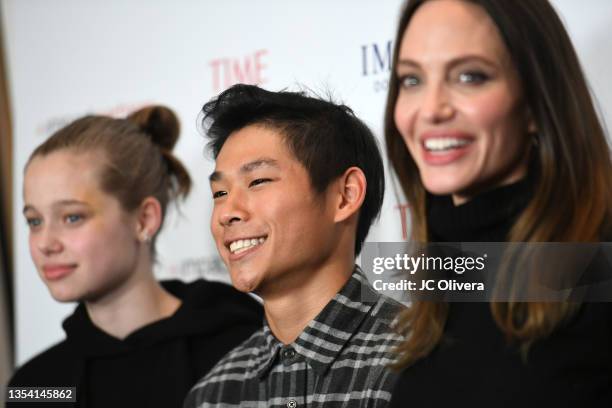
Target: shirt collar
<point>326,335</point>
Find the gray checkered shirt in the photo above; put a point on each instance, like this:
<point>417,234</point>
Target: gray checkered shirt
<point>339,360</point>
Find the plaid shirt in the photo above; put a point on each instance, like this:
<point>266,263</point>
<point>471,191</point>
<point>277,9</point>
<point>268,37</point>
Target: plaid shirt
<point>339,360</point>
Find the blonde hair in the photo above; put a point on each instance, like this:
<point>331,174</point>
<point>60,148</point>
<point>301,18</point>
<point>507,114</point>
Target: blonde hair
<point>137,159</point>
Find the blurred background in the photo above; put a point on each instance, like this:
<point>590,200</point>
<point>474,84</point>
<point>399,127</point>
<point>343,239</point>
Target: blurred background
<point>63,59</point>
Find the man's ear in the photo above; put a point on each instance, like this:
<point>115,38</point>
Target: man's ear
<point>352,190</point>
<point>149,218</point>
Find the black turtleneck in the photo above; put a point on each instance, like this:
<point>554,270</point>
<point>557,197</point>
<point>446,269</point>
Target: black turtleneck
<point>487,218</point>
<point>474,364</point>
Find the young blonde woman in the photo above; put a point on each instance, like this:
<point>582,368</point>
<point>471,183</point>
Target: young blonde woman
<point>96,193</point>
<point>492,132</point>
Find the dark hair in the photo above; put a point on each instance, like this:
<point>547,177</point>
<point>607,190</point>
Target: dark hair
<point>136,161</point>
<point>570,169</point>
<point>326,138</point>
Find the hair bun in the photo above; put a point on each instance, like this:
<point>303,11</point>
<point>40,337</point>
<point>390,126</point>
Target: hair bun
<point>160,123</point>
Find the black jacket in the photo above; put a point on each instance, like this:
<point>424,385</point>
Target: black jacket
<point>156,365</point>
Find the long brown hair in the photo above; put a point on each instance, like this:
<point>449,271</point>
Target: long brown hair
<point>135,154</point>
<point>571,170</point>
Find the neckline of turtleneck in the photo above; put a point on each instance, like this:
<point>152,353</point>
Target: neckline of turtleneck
<point>488,217</point>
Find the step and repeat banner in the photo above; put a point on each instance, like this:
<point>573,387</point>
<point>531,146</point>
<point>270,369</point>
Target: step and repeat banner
<point>68,58</point>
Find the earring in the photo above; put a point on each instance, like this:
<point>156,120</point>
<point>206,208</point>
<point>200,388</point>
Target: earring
<point>532,131</point>
<point>535,140</point>
<point>146,237</point>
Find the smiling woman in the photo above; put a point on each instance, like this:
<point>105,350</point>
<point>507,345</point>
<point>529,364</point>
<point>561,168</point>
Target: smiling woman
<point>460,108</point>
<point>96,194</point>
<point>492,132</point>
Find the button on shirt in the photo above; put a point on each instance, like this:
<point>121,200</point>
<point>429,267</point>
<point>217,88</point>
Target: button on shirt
<point>340,359</point>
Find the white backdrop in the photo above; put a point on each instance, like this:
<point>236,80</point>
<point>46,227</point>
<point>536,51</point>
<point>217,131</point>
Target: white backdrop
<point>67,58</point>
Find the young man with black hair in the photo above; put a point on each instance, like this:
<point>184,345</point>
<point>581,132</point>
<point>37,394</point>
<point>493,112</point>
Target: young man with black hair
<point>297,184</point>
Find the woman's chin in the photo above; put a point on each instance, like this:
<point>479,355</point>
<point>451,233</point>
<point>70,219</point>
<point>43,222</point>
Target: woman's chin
<point>63,296</point>
<point>442,188</point>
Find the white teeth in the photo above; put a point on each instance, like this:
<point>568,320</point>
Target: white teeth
<point>242,245</point>
<point>441,144</point>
